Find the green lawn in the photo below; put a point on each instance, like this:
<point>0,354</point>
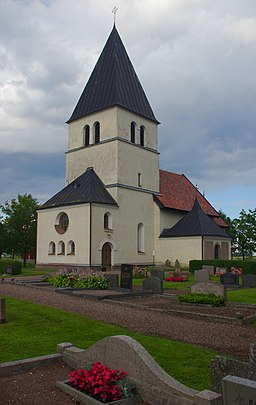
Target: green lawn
<point>247,296</point>
<point>30,271</point>
<point>35,330</point>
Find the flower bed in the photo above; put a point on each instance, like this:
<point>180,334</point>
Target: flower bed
<point>177,279</point>
<point>99,384</point>
<point>78,279</point>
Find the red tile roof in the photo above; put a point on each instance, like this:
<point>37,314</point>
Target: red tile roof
<point>177,192</point>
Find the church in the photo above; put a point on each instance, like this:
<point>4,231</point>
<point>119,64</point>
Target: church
<point>117,206</point>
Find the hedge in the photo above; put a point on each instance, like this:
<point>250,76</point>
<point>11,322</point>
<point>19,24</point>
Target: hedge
<point>15,264</point>
<point>248,266</point>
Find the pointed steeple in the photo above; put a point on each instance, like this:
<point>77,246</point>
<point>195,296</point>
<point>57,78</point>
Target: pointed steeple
<point>194,223</point>
<point>113,82</point>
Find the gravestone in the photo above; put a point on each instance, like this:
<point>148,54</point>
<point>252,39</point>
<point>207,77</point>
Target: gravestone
<point>249,281</point>
<point>2,311</point>
<point>157,273</point>
<point>209,268</point>
<point>10,270</point>
<point>202,276</point>
<point>112,279</point>
<point>221,270</point>
<point>126,276</point>
<point>237,390</point>
<point>154,284</point>
<point>229,280</point>
<point>177,267</point>
<point>209,288</point>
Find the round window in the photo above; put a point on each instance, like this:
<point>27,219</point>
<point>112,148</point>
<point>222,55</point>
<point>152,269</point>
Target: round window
<point>62,223</point>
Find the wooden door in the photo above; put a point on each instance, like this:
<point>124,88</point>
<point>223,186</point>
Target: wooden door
<point>106,255</point>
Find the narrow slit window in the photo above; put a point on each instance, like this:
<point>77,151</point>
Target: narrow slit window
<point>97,132</point>
<point>86,135</point>
<point>142,135</point>
<point>133,129</point>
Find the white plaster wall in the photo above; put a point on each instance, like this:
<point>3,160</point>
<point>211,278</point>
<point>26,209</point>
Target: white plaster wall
<point>183,249</point>
<point>114,121</point>
<point>102,157</point>
<point>132,160</point>
<point>168,218</point>
<point>78,231</point>
<point>108,128</point>
<point>124,119</point>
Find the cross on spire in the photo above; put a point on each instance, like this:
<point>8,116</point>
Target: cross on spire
<point>114,11</point>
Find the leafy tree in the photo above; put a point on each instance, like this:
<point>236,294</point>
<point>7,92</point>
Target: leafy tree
<point>20,224</point>
<point>2,238</point>
<point>231,230</point>
<point>245,232</point>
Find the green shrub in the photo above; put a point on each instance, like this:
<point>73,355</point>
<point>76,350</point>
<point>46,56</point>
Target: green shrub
<point>15,264</point>
<point>248,266</point>
<point>210,299</point>
<point>77,280</point>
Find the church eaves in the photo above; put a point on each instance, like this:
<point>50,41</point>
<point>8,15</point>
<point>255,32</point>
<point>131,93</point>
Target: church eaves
<point>113,82</point>
<point>87,188</point>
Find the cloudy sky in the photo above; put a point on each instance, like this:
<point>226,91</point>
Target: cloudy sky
<point>196,60</point>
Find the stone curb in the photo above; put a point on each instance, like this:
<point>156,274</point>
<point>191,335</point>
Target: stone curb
<point>22,366</point>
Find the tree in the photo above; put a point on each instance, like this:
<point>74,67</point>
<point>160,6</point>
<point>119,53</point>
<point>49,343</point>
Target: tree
<point>245,232</point>
<point>20,224</point>
<point>231,231</point>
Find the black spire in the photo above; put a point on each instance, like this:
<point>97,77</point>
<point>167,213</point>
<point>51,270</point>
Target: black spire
<point>113,82</point>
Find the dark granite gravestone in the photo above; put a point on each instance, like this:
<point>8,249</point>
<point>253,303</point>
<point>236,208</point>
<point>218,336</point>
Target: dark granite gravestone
<point>157,273</point>
<point>153,284</point>
<point>126,276</point>
<point>2,311</point>
<point>229,280</point>
<point>249,281</point>
<point>112,279</point>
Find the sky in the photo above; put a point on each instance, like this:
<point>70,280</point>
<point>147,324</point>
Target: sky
<point>196,62</point>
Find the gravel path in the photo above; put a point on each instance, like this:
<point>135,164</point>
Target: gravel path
<point>229,339</point>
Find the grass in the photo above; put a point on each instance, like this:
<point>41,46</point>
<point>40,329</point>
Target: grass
<point>30,271</point>
<point>35,330</point>
<point>246,296</point>
<point>184,285</point>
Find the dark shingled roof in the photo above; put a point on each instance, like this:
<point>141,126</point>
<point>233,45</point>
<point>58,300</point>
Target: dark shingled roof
<point>113,82</point>
<point>195,223</point>
<point>87,188</point>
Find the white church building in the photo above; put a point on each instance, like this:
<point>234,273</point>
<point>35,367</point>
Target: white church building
<point>117,206</point>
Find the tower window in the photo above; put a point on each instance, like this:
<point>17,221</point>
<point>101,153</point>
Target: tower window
<point>86,135</point>
<point>96,132</point>
<point>139,179</point>
<point>133,129</point>
<point>142,135</point>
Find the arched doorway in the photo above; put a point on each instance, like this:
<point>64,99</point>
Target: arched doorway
<point>217,252</point>
<point>106,255</point>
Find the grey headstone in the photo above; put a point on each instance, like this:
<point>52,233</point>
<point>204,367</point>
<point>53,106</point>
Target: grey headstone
<point>112,279</point>
<point>157,273</point>
<point>154,284</point>
<point>249,281</point>
<point>10,270</point>
<point>209,288</point>
<point>229,279</point>
<point>238,391</point>
<point>202,276</point>
<point>209,268</point>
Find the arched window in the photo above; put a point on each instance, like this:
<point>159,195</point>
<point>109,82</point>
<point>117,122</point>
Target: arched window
<point>142,135</point>
<point>62,222</point>
<point>140,238</point>
<point>133,130</point>
<point>96,132</point>
<point>107,221</point>
<point>71,248</point>
<point>217,251</point>
<point>86,135</point>
<point>61,248</point>
<point>51,248</point>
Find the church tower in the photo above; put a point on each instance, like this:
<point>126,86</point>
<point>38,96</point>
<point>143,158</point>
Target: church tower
<point>113,128</point>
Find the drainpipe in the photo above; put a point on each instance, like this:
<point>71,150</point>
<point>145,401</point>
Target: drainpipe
<point>202,248</point>
<point>90,237</point>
